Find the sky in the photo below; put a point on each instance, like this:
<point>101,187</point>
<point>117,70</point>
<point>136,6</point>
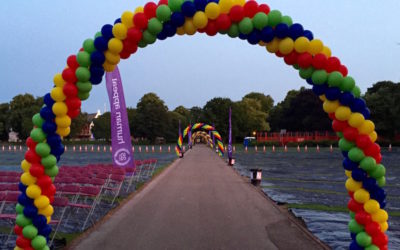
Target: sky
<point>38,36</point>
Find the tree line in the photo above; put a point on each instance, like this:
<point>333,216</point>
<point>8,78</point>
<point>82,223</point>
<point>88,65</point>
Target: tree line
<point>301,110</point>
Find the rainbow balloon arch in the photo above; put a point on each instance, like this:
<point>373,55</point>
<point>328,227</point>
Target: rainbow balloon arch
<point>248,21</point>
<point>205,127</point>
<point>202,135</point>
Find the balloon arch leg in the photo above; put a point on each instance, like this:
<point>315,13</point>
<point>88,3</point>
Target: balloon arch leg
<point>248,21</point>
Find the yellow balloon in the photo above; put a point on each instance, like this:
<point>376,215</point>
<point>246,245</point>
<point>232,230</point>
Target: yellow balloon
<point>139,9</point>
<point>225,5</point>
<point>316,46</point>
<point>330,106</point>
<point>112,58</point>
<point>302,44</point>
<point>373,136</point>
<point>371,206</point>
<point>367,127</point>
<point>180,31</point>
<point>261,43</point>
<point>380,216</point>
<point>343,113</point>
<point>58,80</point>
<point>119,31</point>
<point>60,108</point>
<point>127,19</point>
<point>212,10</point>
<point>322,98</point>
<point>18,248</point>
<point>361,195</point>
<point>327,51</point>
<point>108,66</point>
<point>189,27</point>
<point>48,219</point>
<point>273,46</point>
<point>33,191</point>
<point>352,185</point>
<point>115,45</point>
<point>200,20</point>
<point>63,121</point>
<point>286,46</point>
<point>41,202</point>
<point>27,179</point>
<point>239,2</point>
<point>47,211</point>
<point>57,94</point>
<point>384,226</point>
<point>25,165</point>
<point>356,120</point>
<point>347,173</point>
<point>63,131</point>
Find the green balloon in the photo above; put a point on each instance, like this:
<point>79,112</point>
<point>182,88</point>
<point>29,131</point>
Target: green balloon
<point>83,95</point>
<point>356,91</point>
<point>354,227</point>
<point>38,135</point>
<point>352,215</point>
<point>381,181</point>
<point>142,44</point>
<point>356,154</point>
<point>233,30</point>
<point>223,32</point>
<point>23,221</point>
<point>49,161</point>
<point>335,79</point>
<point>148,37</point>
<point>368,164</point>
<point>306,73</point>
<point>19,208</point>
<point>379,171</point>
<point>84,86</point>
<point>43,149</point>
<point>246,26</point>
<point>339,134</point>
<point>98,34</point>
<point>348,84</point>
<point>154,26</point>
<point>296,66</point>
<point>345,145</point>
<point>39,242</point>
<point>319,77</point>
<point>163,13</point>
<point>83,74</point>
<point>83,59</point>
<point>175,5</point>
<point>88,45</point>
<point>37,120</point>
<point>287,20</point>
<point>260,20</point>
<point>363,239</point>
<point>372,247</point>
<point>52,172</point>
<point>45,248</point>
<point>30,231</point>
<point>274,18</point>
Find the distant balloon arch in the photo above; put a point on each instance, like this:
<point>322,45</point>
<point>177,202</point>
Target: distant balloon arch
<point>248,21</point>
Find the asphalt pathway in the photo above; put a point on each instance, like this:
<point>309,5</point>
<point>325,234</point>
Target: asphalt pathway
<point>199,203</point>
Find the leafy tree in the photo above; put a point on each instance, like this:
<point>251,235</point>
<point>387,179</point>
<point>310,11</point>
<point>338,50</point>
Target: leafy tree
<point>171,133</point>
<point>216,112</point>
<point>78,124</point>
<point>102,127</point>
<point>266,101</point>
<point>4,113</point>
<point>132,118</point>
<point>196,114</point>
<point>253,118</point>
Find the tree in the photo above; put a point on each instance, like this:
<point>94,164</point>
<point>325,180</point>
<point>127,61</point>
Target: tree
<point>216,112</point>
<point>266,101</point>
<point>185,113</point>
<point>171,133</point>
<point>4,113</point>
<point>78,124</point>
<point>102,127</point>
<point>196,114</point>
<point>132,118</point>
<point>250,117</point>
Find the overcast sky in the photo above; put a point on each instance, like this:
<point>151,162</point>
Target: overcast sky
<point>37,37</point>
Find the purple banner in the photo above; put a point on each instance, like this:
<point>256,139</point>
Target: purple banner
<point>230,134</point>
<point>120,135</point>
<point>190,135</point>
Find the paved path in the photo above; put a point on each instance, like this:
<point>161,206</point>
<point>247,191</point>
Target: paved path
<point>199,203</point>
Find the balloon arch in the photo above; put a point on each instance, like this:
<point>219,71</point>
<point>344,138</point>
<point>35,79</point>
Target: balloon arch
<point>248,21</point>
<point>202,135</point>
<point>201,126</point>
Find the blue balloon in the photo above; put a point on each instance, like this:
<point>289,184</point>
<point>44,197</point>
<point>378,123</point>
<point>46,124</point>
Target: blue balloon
<point>48,100</point>
<point>308,34</point>
<point>358,174</point>
<point>47,114</point>
<point>243,36</point>
<point>353,236</point>
<point>200,4</point>
<point>96,71</point>
<point>309,81</point>
<point>282,30</point>
<point>54,140</point>
<point>101,43</point>
<point>346,98</point>
<point>370,184</point>
<point>382,203</point>
<point>349,165</point>
<point>97,57</point>
<point>358,105</point>
<point>96,80</point>
<point>213,1</point>
<point>320,89</point>
<point>24,200</point>
<point>106,31</point>
<point>49,127</point>
<point>188,9</point>
<point>355,246</point>
<point>45,231</point>
<point>267,34</point>
<point>177,19</point>
<point>39,221</point>
<point>57,151</point>
<point>169,29</point>
<point>22,187</point>
<point>58,158</point>
<point>296,31</point>
<point>366,113</point>
<point>254,37</point>
<point>162,35</point>
<point>345,154</point>
<point>332,93</point>
<point>30,211</point>
<point>118,20</point>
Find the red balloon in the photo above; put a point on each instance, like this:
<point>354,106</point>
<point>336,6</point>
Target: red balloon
<point>354,206</point>
<point>236,13</point>
<point>291,58</point>
<point>124,54</point>
<point>264,8</point>
<point>373,150</point>
<point>351,194</point>
<point>150,9</point>
<point>250,8</point>
<point>72,62</point>
<point>363,141</point>
<point>73,103</point>
<point>279,54</point>
<point>319,61</point>
<point>332,116</point>
<point>18,230</point>
<point>68,75</point>
<point>140,20</point>
<point>44,182</point>
<point>73,113</point>
<point>30,143</point>
<point>350,133</point>
<point>23,242</point>
<point>304,60</point>
<point>339,126</point>
<point>161,2</point>
<point>380,239</point>
<point>343,70</point>
<point>211,28</point>
<point>223,22</point>
<point>373,228</point>
<point>32,157</point>
<point>129,46</point>
<point>333,64</point>
<point>70,90</point>
<point>378,158</point>
<point>363,218</point>
<point>36,170</point>
<point>134,35</point>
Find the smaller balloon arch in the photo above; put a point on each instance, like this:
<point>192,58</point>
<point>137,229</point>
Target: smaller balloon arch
<point>205,127</point>
<point>202,135</point>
